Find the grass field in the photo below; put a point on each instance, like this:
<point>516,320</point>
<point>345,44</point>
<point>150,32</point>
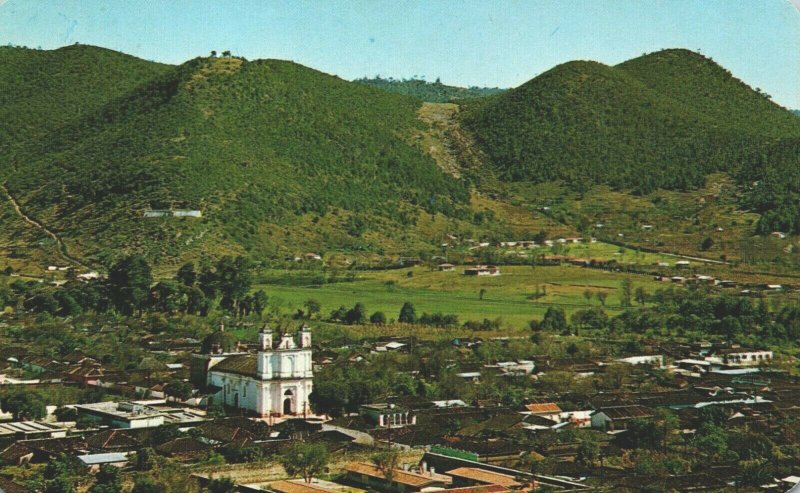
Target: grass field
<point>509,296</point>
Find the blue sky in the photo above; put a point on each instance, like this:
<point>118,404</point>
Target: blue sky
<point>481,42</point>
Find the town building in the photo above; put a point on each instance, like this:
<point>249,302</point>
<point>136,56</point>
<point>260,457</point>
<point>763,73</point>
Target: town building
<point>276,381</point>
<point>482,270</point>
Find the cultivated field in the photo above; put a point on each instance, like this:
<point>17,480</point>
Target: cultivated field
<point>511,296</point>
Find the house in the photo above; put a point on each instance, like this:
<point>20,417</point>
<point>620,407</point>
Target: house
<point>277,380</point>
<point>446,267</point>
<point>702,279</point>
<point>472,476</point>
<point>127,415</point>
<point>27,430</point>
<point>185,448</point>
<point>410,261</point>
<point>95,461</point>
<point>113,441</point>
<point>778,234</point>
<point>87,374</point>
<point>578,419</point>
<point>741,356</point>
<point>88,276</point>
<point>297,486</point>
<point>514,368</point>
<point>310,256</point>
<point>482,270</point>
<point>656,360</point>
<point>616,418</point>
<point>373,478</point>
<point>386,415</point>
<point>544,408</point>
<point>647,227</point>
<point>151,213</point>
<point>681,264</point>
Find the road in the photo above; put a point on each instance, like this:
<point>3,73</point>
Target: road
<point>62,247</point>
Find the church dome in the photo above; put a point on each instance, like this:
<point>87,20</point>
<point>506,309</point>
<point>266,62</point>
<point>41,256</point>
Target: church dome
<point>219,342</point>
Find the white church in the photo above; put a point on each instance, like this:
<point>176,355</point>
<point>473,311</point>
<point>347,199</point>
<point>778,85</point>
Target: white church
<point>275,381</point>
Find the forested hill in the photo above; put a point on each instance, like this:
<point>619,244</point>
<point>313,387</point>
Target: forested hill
<point>257,146</point>
<point>664,120</point>
<point>434,92</point>
<point>43,90</point>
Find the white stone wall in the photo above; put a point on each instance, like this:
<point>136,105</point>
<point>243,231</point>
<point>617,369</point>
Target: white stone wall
<point>233,385</point>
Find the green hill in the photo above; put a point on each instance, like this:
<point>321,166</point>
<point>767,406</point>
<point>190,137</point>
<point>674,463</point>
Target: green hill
<point>41,91</point>
<point>432,92</point>
<point>256,146</point>
<point>664,120</point>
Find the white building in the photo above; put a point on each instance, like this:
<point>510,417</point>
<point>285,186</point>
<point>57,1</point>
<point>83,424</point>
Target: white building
<point>275,381</point>
<point>741,356</point>
<point>656,360</point>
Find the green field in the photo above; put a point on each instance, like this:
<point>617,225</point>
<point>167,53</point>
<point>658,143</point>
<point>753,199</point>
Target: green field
<point>508,296</point>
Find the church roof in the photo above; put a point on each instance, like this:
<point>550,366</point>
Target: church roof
<point>242,364</point>
<point>220,341</point>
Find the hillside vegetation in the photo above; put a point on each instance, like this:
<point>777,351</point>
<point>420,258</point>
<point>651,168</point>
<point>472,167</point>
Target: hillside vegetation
<point>432,92</point>
<point>664,120</point>
<point>256,146</point>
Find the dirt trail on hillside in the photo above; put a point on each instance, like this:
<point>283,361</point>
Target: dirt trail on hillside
<point>62,247</point>
<point>445,141</point>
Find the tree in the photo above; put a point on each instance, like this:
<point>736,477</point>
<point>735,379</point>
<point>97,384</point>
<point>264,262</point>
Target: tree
<point>222,485</point>
<point>593,318</point>
<point>645,434</point>
<point>60,485</point>
<point>755,472</point>
<point>626,291</point>
<point>166,296</point>
<point>706,244</point>
<point>66,414</point>
<point>356,315</point>
<point>196,302</point>
<point>260,300</point>
<point>312,306</point>
<point>178,389</point>
<point>330,396</point>
<point>144,484</point>
<point>213,53</point>
<point>554,319</point>
<point>378,318</point>
<point>146,459</point>
<point>588,295</point>
<point>129,284</point>
<point>109,480</point>
<point>24,405</point>
<point>41,302</point>
<point>640,295</point>
<point>226,53</point>
<point>588,452</point>
<point>601,297</point>
<point>233,279</point>
<point>187,274</point>
<point>387,461</point>
<point>481,293</point>
<point>407,314</point>
<point>305,460</point>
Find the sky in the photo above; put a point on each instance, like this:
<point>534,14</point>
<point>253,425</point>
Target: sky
<point>480,42</point>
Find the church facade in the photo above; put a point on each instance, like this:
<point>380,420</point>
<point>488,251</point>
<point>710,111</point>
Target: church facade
<point>276,381</point>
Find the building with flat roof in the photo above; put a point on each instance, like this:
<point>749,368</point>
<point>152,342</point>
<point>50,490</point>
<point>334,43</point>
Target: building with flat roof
<point>122,414</point>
